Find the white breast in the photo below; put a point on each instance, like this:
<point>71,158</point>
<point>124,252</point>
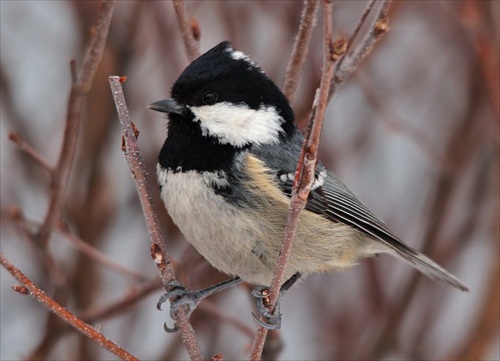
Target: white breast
<point>221,232</point>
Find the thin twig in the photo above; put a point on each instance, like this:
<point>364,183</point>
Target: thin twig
<point>31,289</point>
<point>294,67</point>
<point>187,30</point>
<point>350,63</point>
<point>304,175</point>
<point>477,343</point>
<point>79,244</point>
<point>30,151</point>
<point>158,249</point>
<point>356,31</point>
<point>95,254</point>
<point>132,296</point>
<point>390,118</point>
<point>77,96</point>
<point>455,159</point>
<point>214,311</point>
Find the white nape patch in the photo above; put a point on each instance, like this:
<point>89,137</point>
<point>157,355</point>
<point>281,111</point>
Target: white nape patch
<point>239,125</point>
<point>238,55</point>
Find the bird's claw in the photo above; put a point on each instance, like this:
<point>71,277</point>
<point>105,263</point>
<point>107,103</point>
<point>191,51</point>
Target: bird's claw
<point>170,329</point>
<point>266,318</point>
<point>179,296</point>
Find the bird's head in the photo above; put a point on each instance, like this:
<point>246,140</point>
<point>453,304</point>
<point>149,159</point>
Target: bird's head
<point>230,98</point>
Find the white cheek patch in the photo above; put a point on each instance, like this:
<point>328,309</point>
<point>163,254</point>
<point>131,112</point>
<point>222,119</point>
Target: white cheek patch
<point>239,125</point>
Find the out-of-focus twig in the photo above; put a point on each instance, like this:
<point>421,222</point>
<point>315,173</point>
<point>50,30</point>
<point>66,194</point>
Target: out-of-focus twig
<point>486,325</point>
<point>188,30</point>
<point>304,175</point>
<point>84,328</point>
<point>158,249</point>
<point>457,154</point>
<point>361,21</point>
<point>294,67</point>
<point>349,63</point>
<point>97,255</point>
<point>18,216</point>
<point>132,296</point>
<point>214,311</point>
<point>479,20</point>
<point>79,90</point>
<point>389,117</point>
<point>26,148</point>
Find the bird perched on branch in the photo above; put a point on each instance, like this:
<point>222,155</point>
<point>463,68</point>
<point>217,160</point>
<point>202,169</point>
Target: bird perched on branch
<point>226,171</point>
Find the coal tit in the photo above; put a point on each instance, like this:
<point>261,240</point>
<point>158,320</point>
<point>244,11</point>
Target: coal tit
<point>226,171</point>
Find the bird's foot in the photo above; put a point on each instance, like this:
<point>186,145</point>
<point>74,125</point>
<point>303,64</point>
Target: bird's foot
<point>266,318</point>
<point>179,296</point>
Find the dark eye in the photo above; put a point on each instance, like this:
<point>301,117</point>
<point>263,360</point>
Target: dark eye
<point>210,98</point>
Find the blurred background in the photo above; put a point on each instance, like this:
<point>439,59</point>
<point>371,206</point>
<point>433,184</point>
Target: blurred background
<point>414,133</point>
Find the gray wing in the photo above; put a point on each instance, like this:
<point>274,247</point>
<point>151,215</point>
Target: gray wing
<point>333,200</point>
<point>345,207</point>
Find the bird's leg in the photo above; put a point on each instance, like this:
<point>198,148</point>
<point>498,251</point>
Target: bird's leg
<point>179,295</point>
<point>267,319</point>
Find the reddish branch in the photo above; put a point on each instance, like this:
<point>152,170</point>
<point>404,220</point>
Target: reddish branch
<point>361,21</point>
<point>294,67</point>
<point>190,30</point>
<point>349,63</point>
<point>79,90</point>
<point>93,253</point>
<point>158,248</point>
<point>455,159</point>
<point>29,288</point>
<point>98,256</point>
<point>393,123</point>
<point>26,148</point>
<point>132,296</point>
<point>304,175</point>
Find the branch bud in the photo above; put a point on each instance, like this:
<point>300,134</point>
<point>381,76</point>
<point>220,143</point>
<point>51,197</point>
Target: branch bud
<point>21,289</point>
<point>195,29</point>
<point>381,27</point>
<point>339,47</point>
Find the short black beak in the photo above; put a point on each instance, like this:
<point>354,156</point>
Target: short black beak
<point>168,106</point>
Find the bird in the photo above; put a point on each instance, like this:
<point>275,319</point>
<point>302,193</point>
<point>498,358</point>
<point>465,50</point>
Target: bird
<point>226,172</point>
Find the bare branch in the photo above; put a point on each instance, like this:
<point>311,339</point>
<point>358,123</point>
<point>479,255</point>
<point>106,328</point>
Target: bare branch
<point>294,67</point>
<point>455,159</point>
<point>304,175</point>
<point>213,310</point>
<point>356,31</point>
<point>79,244</point>
<point>97,255</point>
<point>26,148</point>
<point>350,63</point>
<point>132,296</point>
<point>190,30</point>
<point>59,310</point>
<point>477,343</point>
<point>158,249</point>
<point>390,118</point>
<point>77,96</point>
